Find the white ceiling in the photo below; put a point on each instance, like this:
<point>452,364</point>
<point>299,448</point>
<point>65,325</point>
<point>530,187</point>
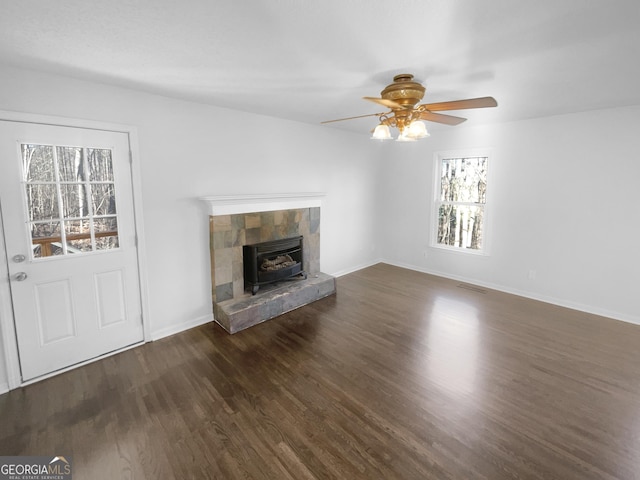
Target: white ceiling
<point>313,60</point>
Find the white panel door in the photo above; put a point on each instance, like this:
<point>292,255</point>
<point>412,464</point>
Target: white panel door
<point>67,211</point>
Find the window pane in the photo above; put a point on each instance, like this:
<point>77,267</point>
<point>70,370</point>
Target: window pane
<point>100,165</point>
<point>106,243</point>
<point>76,229</point>
<point>37,163</point>
<point>70,165</point>
<point>45,229</point>
<point>103,225</point>
<point>103,199</point>
<point>79,246</point>
<point>74,200</point>
<point>109,224</point>
<point>78,235</point>
<point>42,202</point>
<point>460,226</point>
<point>45,239</point>
<point>464,180</point>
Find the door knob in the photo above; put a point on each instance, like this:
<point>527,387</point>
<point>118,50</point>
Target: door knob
<point>19,258</point>
<point>21,276</point>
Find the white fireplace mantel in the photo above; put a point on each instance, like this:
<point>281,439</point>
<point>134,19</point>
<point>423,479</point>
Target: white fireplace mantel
<point>233,204</point>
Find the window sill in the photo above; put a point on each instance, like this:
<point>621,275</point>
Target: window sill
<point>458,250</point>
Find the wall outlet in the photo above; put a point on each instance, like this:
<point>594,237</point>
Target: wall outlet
<point>532,274</point>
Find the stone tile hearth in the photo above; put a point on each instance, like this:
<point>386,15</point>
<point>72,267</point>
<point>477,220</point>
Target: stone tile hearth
<point>271,301</point>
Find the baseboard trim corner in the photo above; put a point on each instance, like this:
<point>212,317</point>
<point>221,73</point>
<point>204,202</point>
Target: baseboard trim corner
<point>362,266</point>
<point>181,327</point>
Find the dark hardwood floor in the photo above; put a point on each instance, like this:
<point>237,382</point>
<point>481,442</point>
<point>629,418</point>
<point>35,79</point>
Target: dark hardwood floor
<point>401,375</point>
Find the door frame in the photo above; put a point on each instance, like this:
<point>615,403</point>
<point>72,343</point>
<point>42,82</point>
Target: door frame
<point>7,321</point>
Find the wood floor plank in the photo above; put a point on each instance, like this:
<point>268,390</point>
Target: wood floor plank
<point>401,375</point>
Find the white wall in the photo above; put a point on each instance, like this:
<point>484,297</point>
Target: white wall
<point>563,195</point>
<point>188,150</point>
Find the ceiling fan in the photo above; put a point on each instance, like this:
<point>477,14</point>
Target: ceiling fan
<point>402,97</point>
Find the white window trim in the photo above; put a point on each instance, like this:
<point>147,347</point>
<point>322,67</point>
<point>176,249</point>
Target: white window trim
<point>433,224</point>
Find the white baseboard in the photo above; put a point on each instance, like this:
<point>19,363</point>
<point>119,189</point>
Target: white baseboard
<point>181,327</point>
<point>521,293</point>
<point>4,388</point>
<point>346,271</point>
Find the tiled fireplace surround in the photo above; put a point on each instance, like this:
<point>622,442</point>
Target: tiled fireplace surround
<point>235,221</point>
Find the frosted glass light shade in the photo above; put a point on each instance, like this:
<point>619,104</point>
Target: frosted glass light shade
<point>381,133</point>
<point>417,129</point>
<point>404,136</point>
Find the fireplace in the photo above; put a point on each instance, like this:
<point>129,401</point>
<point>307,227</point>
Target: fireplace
<point>272,261</point>
<point>251,220</point>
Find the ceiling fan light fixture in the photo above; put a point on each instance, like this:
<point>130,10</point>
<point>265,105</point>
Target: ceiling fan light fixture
<point>417,129</point>
<point>381,132</point>
<point>405,137</point>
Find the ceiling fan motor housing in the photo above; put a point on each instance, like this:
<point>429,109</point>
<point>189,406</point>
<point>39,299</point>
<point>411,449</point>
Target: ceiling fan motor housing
<point>403,90</point>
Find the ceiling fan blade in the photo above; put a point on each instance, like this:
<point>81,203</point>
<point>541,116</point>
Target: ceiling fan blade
<point>385,102</point>
<point>461,104</point>
<point>440,118</point>
<point>358,116</point>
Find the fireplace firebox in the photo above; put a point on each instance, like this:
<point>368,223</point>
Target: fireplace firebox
<point>273,261</point>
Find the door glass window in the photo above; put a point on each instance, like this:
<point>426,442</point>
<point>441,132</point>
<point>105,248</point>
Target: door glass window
<point>71,199</point>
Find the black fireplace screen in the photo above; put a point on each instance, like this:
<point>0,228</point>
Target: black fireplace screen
<point>272,261</point>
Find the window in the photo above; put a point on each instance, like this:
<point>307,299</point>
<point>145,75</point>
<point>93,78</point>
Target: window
<point>70,196</point>
<point>460,202</point>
